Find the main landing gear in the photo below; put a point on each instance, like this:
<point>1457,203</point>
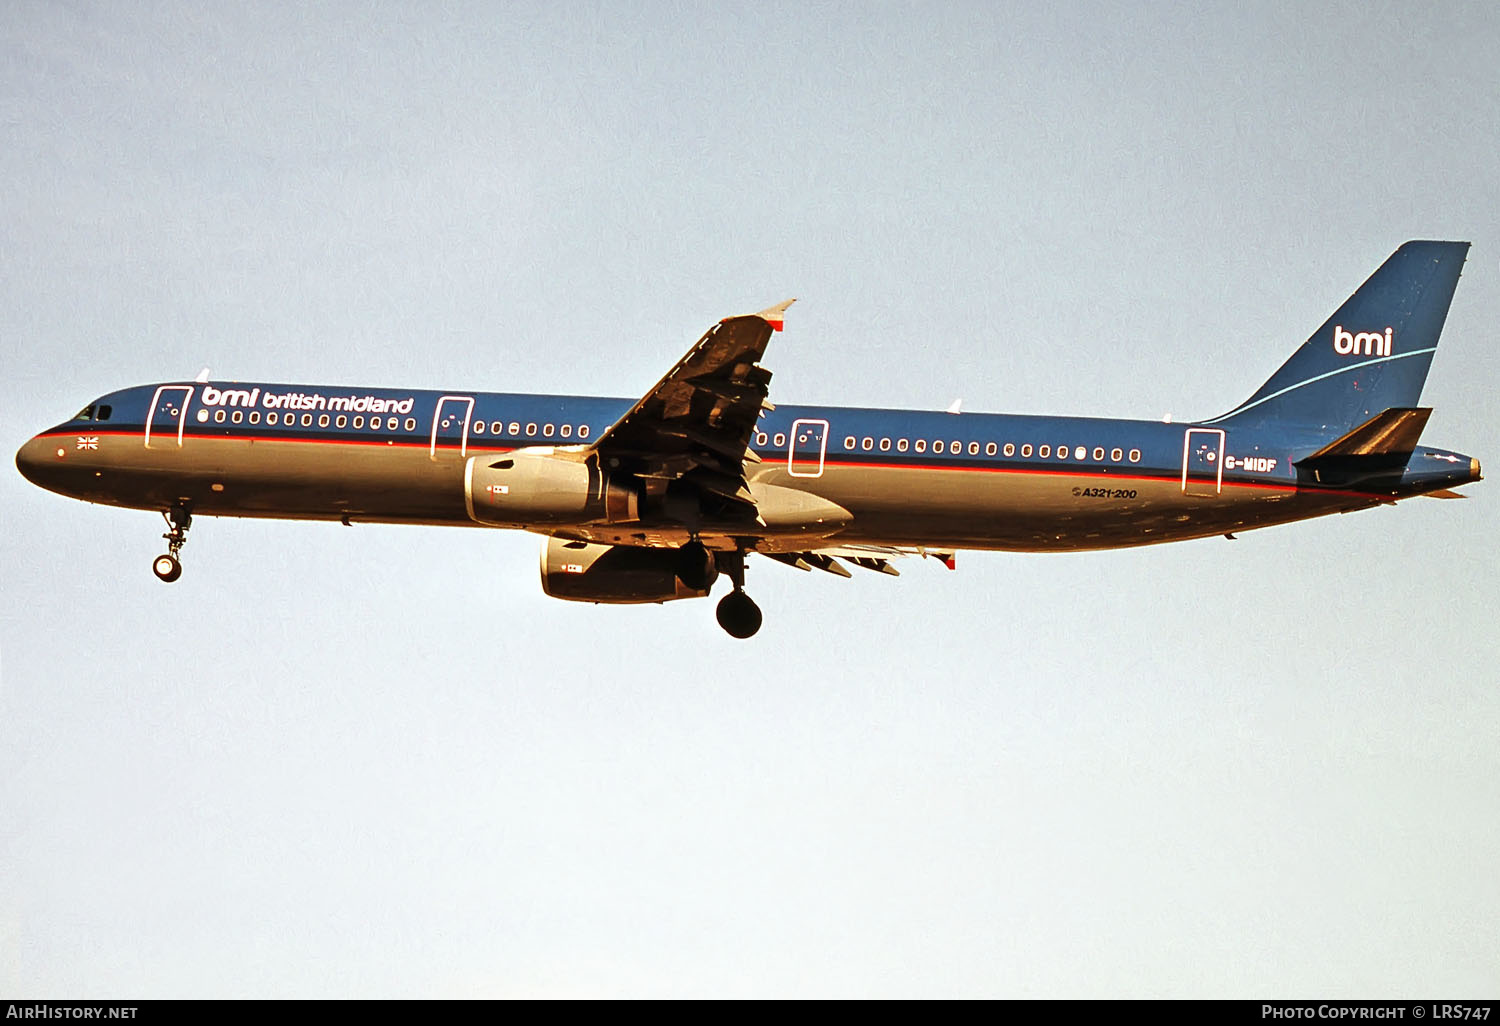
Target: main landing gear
<point>167,566</point>
<point>737,613</point>
<point>698,569</point>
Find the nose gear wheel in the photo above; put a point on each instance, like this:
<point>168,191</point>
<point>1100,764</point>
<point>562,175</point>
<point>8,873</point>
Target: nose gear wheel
<point>167,566</point>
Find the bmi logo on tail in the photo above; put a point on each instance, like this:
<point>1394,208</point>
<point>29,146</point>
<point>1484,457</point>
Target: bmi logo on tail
<point>1370,343</point>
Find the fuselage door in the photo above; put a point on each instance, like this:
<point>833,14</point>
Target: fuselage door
<point>167,416</point>
<point>808,445</point>
<point>450,426</point>
<point>1203,461</point>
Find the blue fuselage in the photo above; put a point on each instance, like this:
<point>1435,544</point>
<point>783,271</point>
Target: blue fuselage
<point>906,478</point>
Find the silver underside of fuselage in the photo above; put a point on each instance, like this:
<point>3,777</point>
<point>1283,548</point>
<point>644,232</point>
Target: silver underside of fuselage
<point>1002,509</point>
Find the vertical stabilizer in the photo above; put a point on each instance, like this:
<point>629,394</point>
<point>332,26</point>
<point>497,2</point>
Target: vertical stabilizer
<point>1372,354</point>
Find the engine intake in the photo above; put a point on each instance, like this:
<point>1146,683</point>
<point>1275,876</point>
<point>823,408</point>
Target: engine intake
<point>536,486</point>
<point>619,574</point>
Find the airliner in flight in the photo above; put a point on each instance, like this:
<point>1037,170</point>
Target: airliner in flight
<point>654,500</point>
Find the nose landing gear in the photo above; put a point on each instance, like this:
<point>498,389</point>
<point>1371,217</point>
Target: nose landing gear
<point>737,612</point>
<point>167,566</point>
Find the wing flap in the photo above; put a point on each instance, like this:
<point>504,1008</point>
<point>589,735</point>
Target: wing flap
<point>866,557</point>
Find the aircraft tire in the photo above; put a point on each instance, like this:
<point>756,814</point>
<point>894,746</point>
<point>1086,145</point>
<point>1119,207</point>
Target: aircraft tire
<point>739,615</point>
<point>167,568</point>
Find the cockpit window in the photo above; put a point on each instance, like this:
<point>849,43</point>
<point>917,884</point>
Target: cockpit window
<point>87,413</point>
<point>103,411</point>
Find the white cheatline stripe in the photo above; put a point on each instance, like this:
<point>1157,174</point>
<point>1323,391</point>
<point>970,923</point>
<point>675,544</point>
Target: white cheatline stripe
<point>1320,377</point>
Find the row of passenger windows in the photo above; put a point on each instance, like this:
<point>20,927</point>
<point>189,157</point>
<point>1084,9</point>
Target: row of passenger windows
<point>290,420</point>
<point>547,430</point>
<point>342,420</point>
<point>957,448</point>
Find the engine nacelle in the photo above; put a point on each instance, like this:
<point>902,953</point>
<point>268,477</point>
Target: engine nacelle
<point>586,572</point>
<point>536,486</point>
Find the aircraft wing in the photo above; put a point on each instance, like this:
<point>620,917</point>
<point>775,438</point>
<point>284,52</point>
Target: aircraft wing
<point>695,425</point>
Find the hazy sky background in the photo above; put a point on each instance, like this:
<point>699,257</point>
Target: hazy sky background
<point>379,762</point>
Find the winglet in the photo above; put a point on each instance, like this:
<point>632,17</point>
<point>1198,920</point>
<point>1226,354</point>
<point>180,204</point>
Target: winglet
<point>776,315</point>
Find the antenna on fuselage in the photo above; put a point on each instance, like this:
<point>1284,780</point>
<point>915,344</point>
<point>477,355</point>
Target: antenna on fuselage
<point>957,406</point>
<point>202,377</point>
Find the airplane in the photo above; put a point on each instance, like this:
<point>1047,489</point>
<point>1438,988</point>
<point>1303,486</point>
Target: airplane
<point>653,500</point>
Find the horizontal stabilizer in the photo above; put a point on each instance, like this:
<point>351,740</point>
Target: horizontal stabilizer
<point>1393,432</point>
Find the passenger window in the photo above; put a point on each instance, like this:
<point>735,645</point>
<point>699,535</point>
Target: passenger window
<point>780,439</point>
<point>955,447</point>
<point>1098,454</point>
<point>322,420</point>
<point>566,430</point>
<point>237,416</point>
<point>255,416</point>
<point>359,420</point>
<point>1044,451</point>
<point>391,423</point>
<point>530,430</point>
<point>1010,448</point>
<point>867,443</point>
<point>218,416</point>
<point>1135,455</point>
<point>583,430</point>
<point>307,420</point>
<point>849,443</point>
<point>341,421</point>
<point>479,427</point>
<point>1079,452</point>
<point>515,428</point>
<point>497,428</point>
<point>760,438</point>
<point>973,448</point>
<point>411,423</point>
<point>547,430</point>
<point>272,418</point>
<point>921,445</point>
<point>902,445</point>
<point>1026,449</point>
<point>989,448</point>
<point>885,445</point>
<point>374,423</point>
<point>1115,455</point>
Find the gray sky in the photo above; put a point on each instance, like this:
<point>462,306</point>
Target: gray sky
<point>379,762</point>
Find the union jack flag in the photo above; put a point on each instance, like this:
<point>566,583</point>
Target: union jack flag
<point>88,441</point>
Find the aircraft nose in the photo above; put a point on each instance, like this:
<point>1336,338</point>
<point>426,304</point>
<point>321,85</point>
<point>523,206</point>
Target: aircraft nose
<point>39,461</point>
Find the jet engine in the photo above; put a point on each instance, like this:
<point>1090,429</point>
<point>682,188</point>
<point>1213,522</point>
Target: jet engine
<point>537,486</point>
<point>586,572</point>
